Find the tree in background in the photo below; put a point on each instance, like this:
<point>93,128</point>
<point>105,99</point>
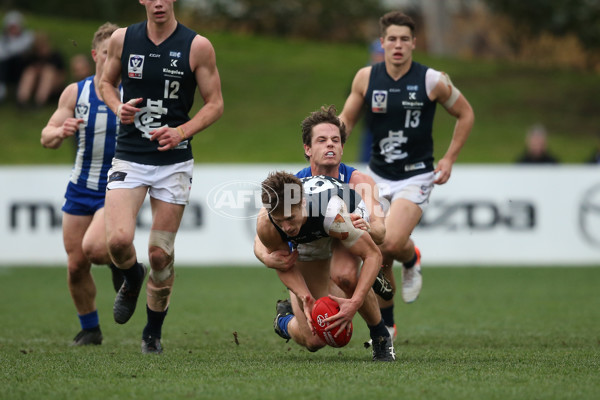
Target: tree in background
<point>580,18</point>
<point>111,10</point>
<point>313,19</point>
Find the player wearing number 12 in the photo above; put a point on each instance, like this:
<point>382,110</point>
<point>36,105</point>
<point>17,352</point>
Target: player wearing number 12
<point>160,63</point>
<point>401,96</point>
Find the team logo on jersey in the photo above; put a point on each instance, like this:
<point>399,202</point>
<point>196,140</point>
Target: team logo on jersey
<point>82,110</point>
<point>175,54</point>
<point>135,66</point>
<point>390,147</point>
<point>379,101</point>
<point>150,116</point>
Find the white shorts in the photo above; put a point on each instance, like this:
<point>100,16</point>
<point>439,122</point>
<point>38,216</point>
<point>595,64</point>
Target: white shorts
<point>416,189</point>
<point>169,183</point>
<point>319,249</point>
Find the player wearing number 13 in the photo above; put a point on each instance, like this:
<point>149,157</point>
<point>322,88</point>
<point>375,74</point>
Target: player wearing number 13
<point>160,63</point>
<point>400,98</point>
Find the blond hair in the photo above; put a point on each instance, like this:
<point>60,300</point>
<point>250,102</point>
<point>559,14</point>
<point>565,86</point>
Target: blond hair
<point>103,33</point>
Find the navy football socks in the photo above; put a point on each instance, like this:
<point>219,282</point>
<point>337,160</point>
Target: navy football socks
<point>387,314</point>
<point>90,321</point>
<point>411,263</point>
<point>154,325</point>
<point>134,274</point>
<point>378,330</point>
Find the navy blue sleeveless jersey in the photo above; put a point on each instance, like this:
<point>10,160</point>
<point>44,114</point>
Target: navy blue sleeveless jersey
<point>345,172</point>
<point>400,116</point>
<point>318,191</point>
<point>95,138</point>
<point>162,76</point>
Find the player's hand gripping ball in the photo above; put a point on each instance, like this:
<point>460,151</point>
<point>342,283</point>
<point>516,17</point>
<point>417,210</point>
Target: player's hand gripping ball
<point>325,308</point>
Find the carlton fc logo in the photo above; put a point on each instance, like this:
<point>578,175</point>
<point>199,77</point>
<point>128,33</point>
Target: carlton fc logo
<point>135,66</point>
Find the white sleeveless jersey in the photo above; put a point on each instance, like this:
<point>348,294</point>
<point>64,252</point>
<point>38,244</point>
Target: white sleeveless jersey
<point>95,139</point>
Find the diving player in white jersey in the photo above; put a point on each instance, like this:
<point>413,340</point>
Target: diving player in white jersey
<point>401,96</point>
<point>82,113</point>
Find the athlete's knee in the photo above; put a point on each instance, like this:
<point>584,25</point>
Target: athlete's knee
<point>158,258</point>
<point>392,248</point>
<point>77,268</point>
<point>118,244</point>
<point>161,254</point>
<point>346,280</point>
<point>96,251</point>
<point>314,344</point>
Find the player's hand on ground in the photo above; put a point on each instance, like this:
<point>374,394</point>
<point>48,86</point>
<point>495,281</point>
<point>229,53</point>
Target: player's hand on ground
<point>360,223</point>
<point>281,260</point>
<point>442,171</point>
<point>308,302</point>
<point>70,127</point>
<point>343,318</point>
<point>126,111</point>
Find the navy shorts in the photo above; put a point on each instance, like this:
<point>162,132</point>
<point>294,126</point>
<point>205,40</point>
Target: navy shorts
<point>82,201</point>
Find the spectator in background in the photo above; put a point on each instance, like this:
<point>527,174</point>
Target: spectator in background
<point>15,43</point>
<point>376,56</point>
<point>44,76</point>
<point>536,150</point>
<point>80,67</point>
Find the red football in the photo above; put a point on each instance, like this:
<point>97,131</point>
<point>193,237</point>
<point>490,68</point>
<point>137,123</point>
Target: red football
<point>325,308</point>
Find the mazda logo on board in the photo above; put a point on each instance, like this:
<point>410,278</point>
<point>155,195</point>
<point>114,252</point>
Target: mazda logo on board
<point>589,215</point>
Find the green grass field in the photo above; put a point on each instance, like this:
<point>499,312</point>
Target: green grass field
<point>475,333</point>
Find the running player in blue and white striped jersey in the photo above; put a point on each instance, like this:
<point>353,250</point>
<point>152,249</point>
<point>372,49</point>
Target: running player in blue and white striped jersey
<point>82,113</point>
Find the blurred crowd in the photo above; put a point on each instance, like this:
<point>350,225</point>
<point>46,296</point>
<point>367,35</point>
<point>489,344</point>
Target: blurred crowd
<point>32,72</point>
<point>537,151</point>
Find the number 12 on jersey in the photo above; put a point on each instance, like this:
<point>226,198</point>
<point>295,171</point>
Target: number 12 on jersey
<point>171,89</point>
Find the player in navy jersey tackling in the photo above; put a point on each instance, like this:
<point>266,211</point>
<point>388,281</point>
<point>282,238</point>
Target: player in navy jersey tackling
<point>310,214</point>
<point>82,113</point>
<point>161,63</point>
<point>399,97</point>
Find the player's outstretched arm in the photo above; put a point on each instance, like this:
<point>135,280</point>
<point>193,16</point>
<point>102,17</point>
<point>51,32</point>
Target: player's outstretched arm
<point>360,244</point>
